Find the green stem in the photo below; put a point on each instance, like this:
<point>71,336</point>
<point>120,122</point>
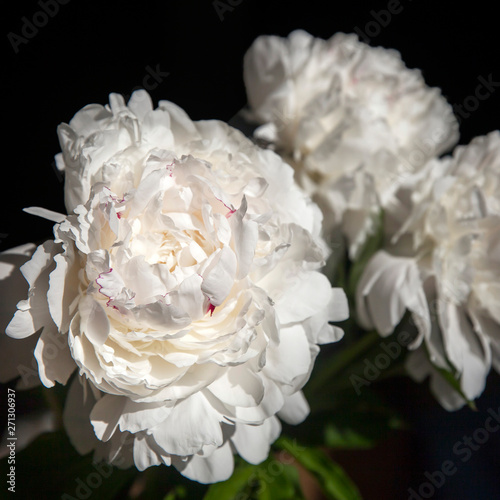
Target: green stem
<point>344,360</point>
<point>397,370</point>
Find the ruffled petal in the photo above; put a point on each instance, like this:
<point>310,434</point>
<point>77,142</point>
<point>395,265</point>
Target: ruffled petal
<point>253,442</point>
<point>238,386</point>
<point>387,288</point>
<point>212,469</point>
<point>14,354</point>
<point>295,409</point>
<point>184,433</point>
<point>33,314</point>
<point>53,355</point>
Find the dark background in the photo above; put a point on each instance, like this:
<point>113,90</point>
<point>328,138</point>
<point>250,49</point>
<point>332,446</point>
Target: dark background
<point>87,49</point>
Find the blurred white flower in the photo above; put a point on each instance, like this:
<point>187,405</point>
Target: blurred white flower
<point>185,287</point>
<point>351,119</point>
<point>451,282</point>
<point>16,356</point>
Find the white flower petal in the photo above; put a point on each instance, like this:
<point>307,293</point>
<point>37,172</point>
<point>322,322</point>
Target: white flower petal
<point>63,287</point>
<point>33,314</point>
<point>218,277</point>
<point>212,469</point>
<point>419,368</point>
<point>464,350</point>
<point>94,321</point>
<point>184,433</point>
<point>238,386</point>
<point>253,442</point>
<point>105,415</point>
<point>13,284</point>
<point>144,455</point>
<point>140,103</point>
<point>338,309</point>
<point>245,235</point>
<point>295,409</point>
<point>271,403</point>
<point>291,358</point>
<point>387,288</point>
<point>76,420</point>
<point>136,417</point>
<point>310,295</point>
<point>53,355</point>
<point>45,214</point>
<point>15,355</point>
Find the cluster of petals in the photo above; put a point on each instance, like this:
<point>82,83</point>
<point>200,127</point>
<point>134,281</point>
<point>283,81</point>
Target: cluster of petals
<point>443,265</point>
<point>183,291</point>
<point>352,120</point>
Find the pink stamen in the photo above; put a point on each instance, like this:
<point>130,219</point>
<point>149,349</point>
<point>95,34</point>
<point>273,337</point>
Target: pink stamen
<point>211,307</point>
<point>171,170</point>
<point>231,210</point>
<point>114,198</point>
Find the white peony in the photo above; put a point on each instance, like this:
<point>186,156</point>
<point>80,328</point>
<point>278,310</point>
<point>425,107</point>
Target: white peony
<point>352,120</point>
<point>451,280</point>
<point>184,286</point>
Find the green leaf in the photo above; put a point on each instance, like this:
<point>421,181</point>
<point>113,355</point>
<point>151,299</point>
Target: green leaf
<point>346,438</point>
<point>227,490</point>
<point>278,481</point>
<point>335,483</point>
<point>270,480</point>
<point>177,493</point>
<point>349,427</point>
<point>451,376</point>
<point>359,430</point>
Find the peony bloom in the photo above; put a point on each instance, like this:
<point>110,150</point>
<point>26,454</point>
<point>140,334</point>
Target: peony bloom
<point>352,120</point>
<point>450,280</point>
<point>183,286</point>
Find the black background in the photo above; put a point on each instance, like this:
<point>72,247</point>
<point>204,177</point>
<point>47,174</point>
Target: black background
<point>89,49</point>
